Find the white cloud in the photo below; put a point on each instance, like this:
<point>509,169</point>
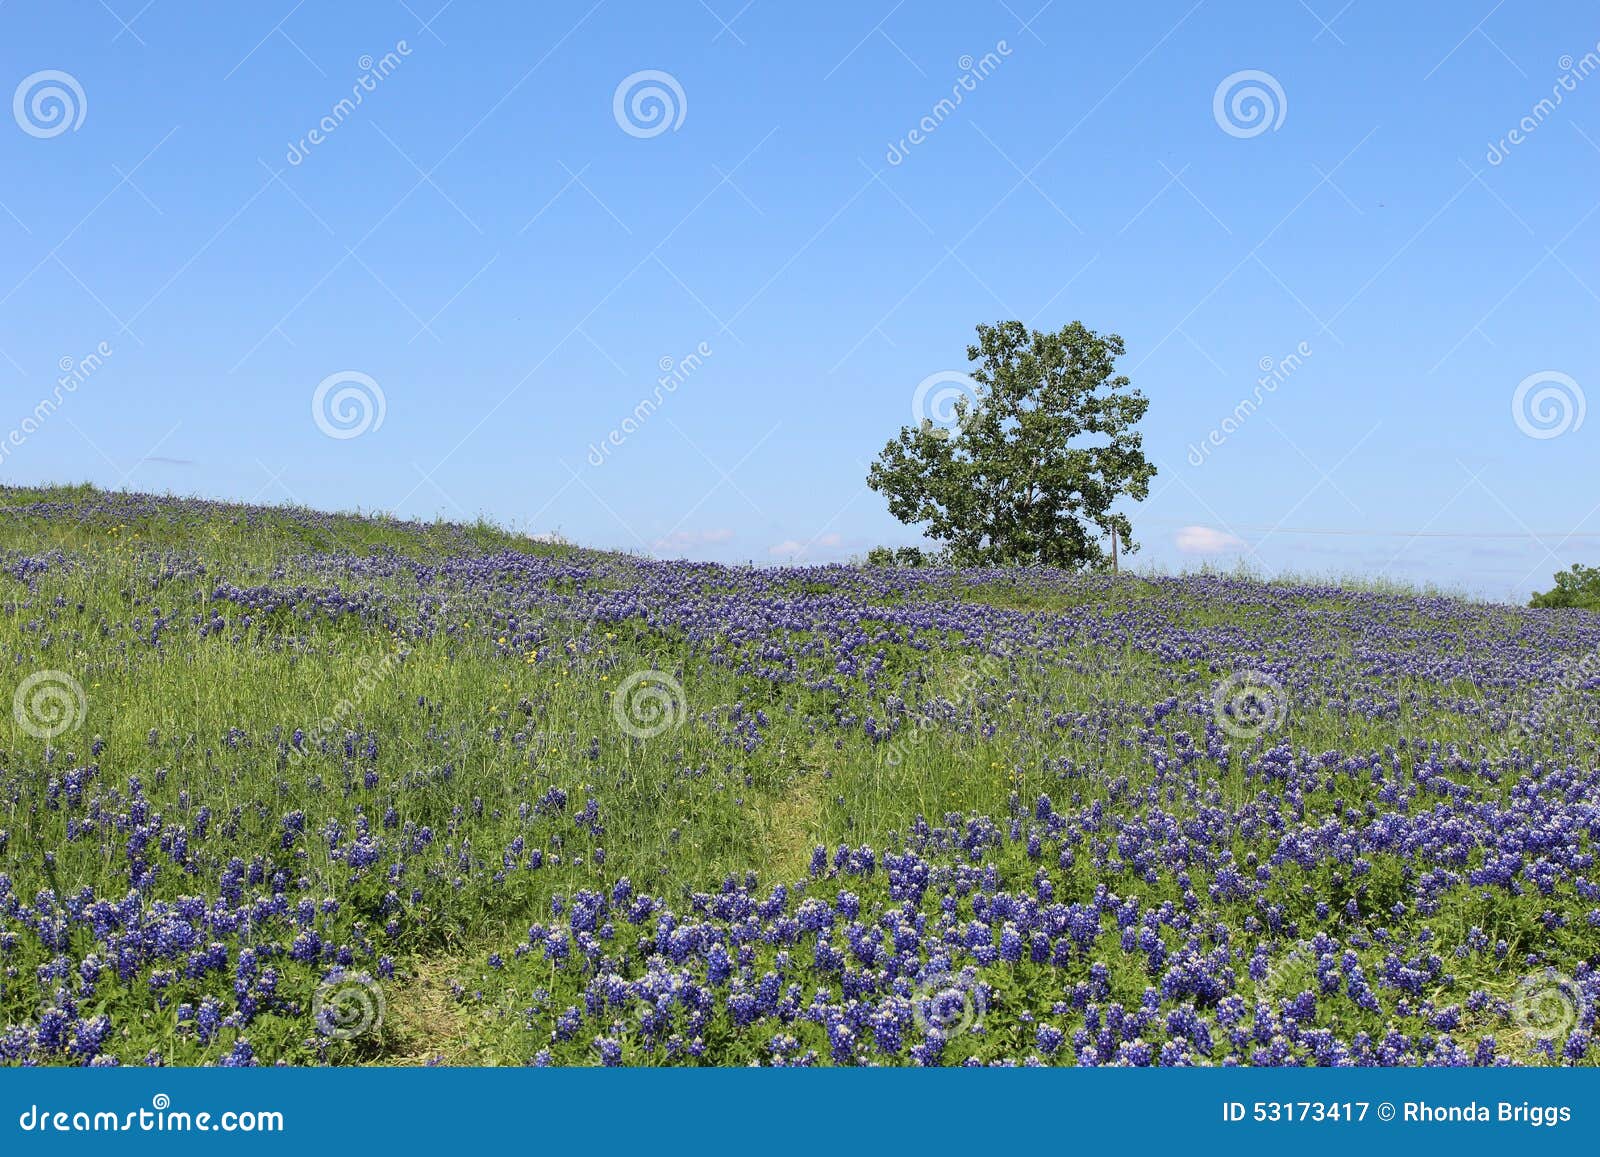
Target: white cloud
<point>1207,540</point>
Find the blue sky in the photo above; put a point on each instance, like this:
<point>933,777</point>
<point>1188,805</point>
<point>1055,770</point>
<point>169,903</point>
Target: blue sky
<point>509,262</point>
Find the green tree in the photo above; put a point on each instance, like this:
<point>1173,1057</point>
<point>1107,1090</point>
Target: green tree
<point>1578,587</point>
<point>904,557</point>
<point>1035,460</point>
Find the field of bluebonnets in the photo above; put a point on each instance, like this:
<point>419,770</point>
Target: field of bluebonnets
<point>284,787</point>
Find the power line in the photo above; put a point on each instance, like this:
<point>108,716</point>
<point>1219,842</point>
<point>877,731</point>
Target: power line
<point>1528,534</point>
<point>1358,532</point>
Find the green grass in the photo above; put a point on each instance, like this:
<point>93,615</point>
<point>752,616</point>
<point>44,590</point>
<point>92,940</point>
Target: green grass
<point>469,729</point>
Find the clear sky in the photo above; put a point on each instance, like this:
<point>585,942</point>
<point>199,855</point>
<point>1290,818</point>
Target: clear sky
<point>509,250</point>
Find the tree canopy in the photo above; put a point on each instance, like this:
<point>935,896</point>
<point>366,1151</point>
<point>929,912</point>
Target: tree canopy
<point>1036,458</point>
<point>1577,587</point>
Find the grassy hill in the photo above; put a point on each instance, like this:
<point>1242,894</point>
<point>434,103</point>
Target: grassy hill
<point>283,785</point>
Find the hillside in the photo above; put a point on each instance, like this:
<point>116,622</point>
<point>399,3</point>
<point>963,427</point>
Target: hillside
<point>282,785</point>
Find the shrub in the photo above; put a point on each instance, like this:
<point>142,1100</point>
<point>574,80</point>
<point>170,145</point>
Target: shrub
<point>1578,587</point>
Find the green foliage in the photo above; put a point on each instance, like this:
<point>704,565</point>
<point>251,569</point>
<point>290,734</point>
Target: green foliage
<point>1577,587</point>
<point>1036,461</point>
<point>472,729</point>
<point>899,556</point>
